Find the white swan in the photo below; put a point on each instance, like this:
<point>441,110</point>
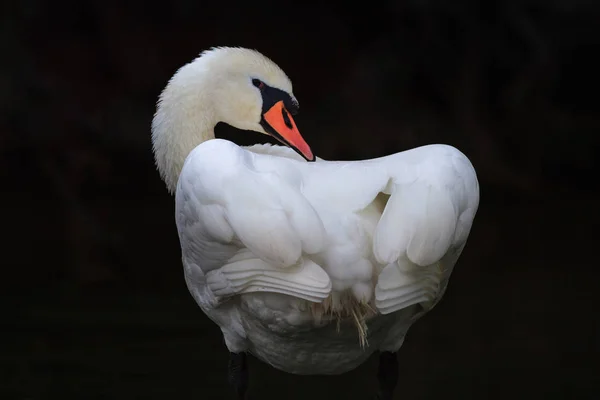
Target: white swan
<point>309,266</point>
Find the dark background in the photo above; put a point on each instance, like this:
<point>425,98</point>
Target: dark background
<point>93,299</point>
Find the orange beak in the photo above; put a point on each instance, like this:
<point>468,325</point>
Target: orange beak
<point>285,130</point>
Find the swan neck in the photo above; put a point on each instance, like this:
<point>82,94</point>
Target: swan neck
<point>184,119</point>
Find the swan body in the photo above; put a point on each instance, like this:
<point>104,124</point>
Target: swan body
<point>310,266</point>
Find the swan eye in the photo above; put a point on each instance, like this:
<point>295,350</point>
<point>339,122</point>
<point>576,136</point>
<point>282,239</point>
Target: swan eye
<point>258,83</point>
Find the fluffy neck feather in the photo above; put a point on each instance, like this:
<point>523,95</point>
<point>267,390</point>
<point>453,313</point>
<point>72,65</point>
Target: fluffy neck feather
<point>185,117</point>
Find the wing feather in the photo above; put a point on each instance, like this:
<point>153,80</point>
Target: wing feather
<point>224,205</point>
<point>425,224</point>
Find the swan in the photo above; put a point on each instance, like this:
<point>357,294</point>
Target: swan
<point>309,265</point>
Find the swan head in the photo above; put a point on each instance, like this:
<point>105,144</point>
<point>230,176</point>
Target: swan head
<point>237,86</point>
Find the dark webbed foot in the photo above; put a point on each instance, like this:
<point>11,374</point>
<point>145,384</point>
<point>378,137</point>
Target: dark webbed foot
<point>238,373</point>
<point>387,375</point>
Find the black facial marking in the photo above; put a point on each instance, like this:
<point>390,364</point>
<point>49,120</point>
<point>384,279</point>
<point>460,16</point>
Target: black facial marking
<point>291,106</point>
<point>258,83</point>
<point>271,95</point>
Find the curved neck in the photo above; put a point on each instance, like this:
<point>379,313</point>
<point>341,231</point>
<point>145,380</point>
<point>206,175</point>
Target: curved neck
<point>184,118</point>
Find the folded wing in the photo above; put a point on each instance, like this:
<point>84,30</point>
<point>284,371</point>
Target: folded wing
<point>434,195</point>
<point>247,229</point>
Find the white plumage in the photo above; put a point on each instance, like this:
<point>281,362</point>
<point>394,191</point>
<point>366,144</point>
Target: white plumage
<point>297,262</point>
